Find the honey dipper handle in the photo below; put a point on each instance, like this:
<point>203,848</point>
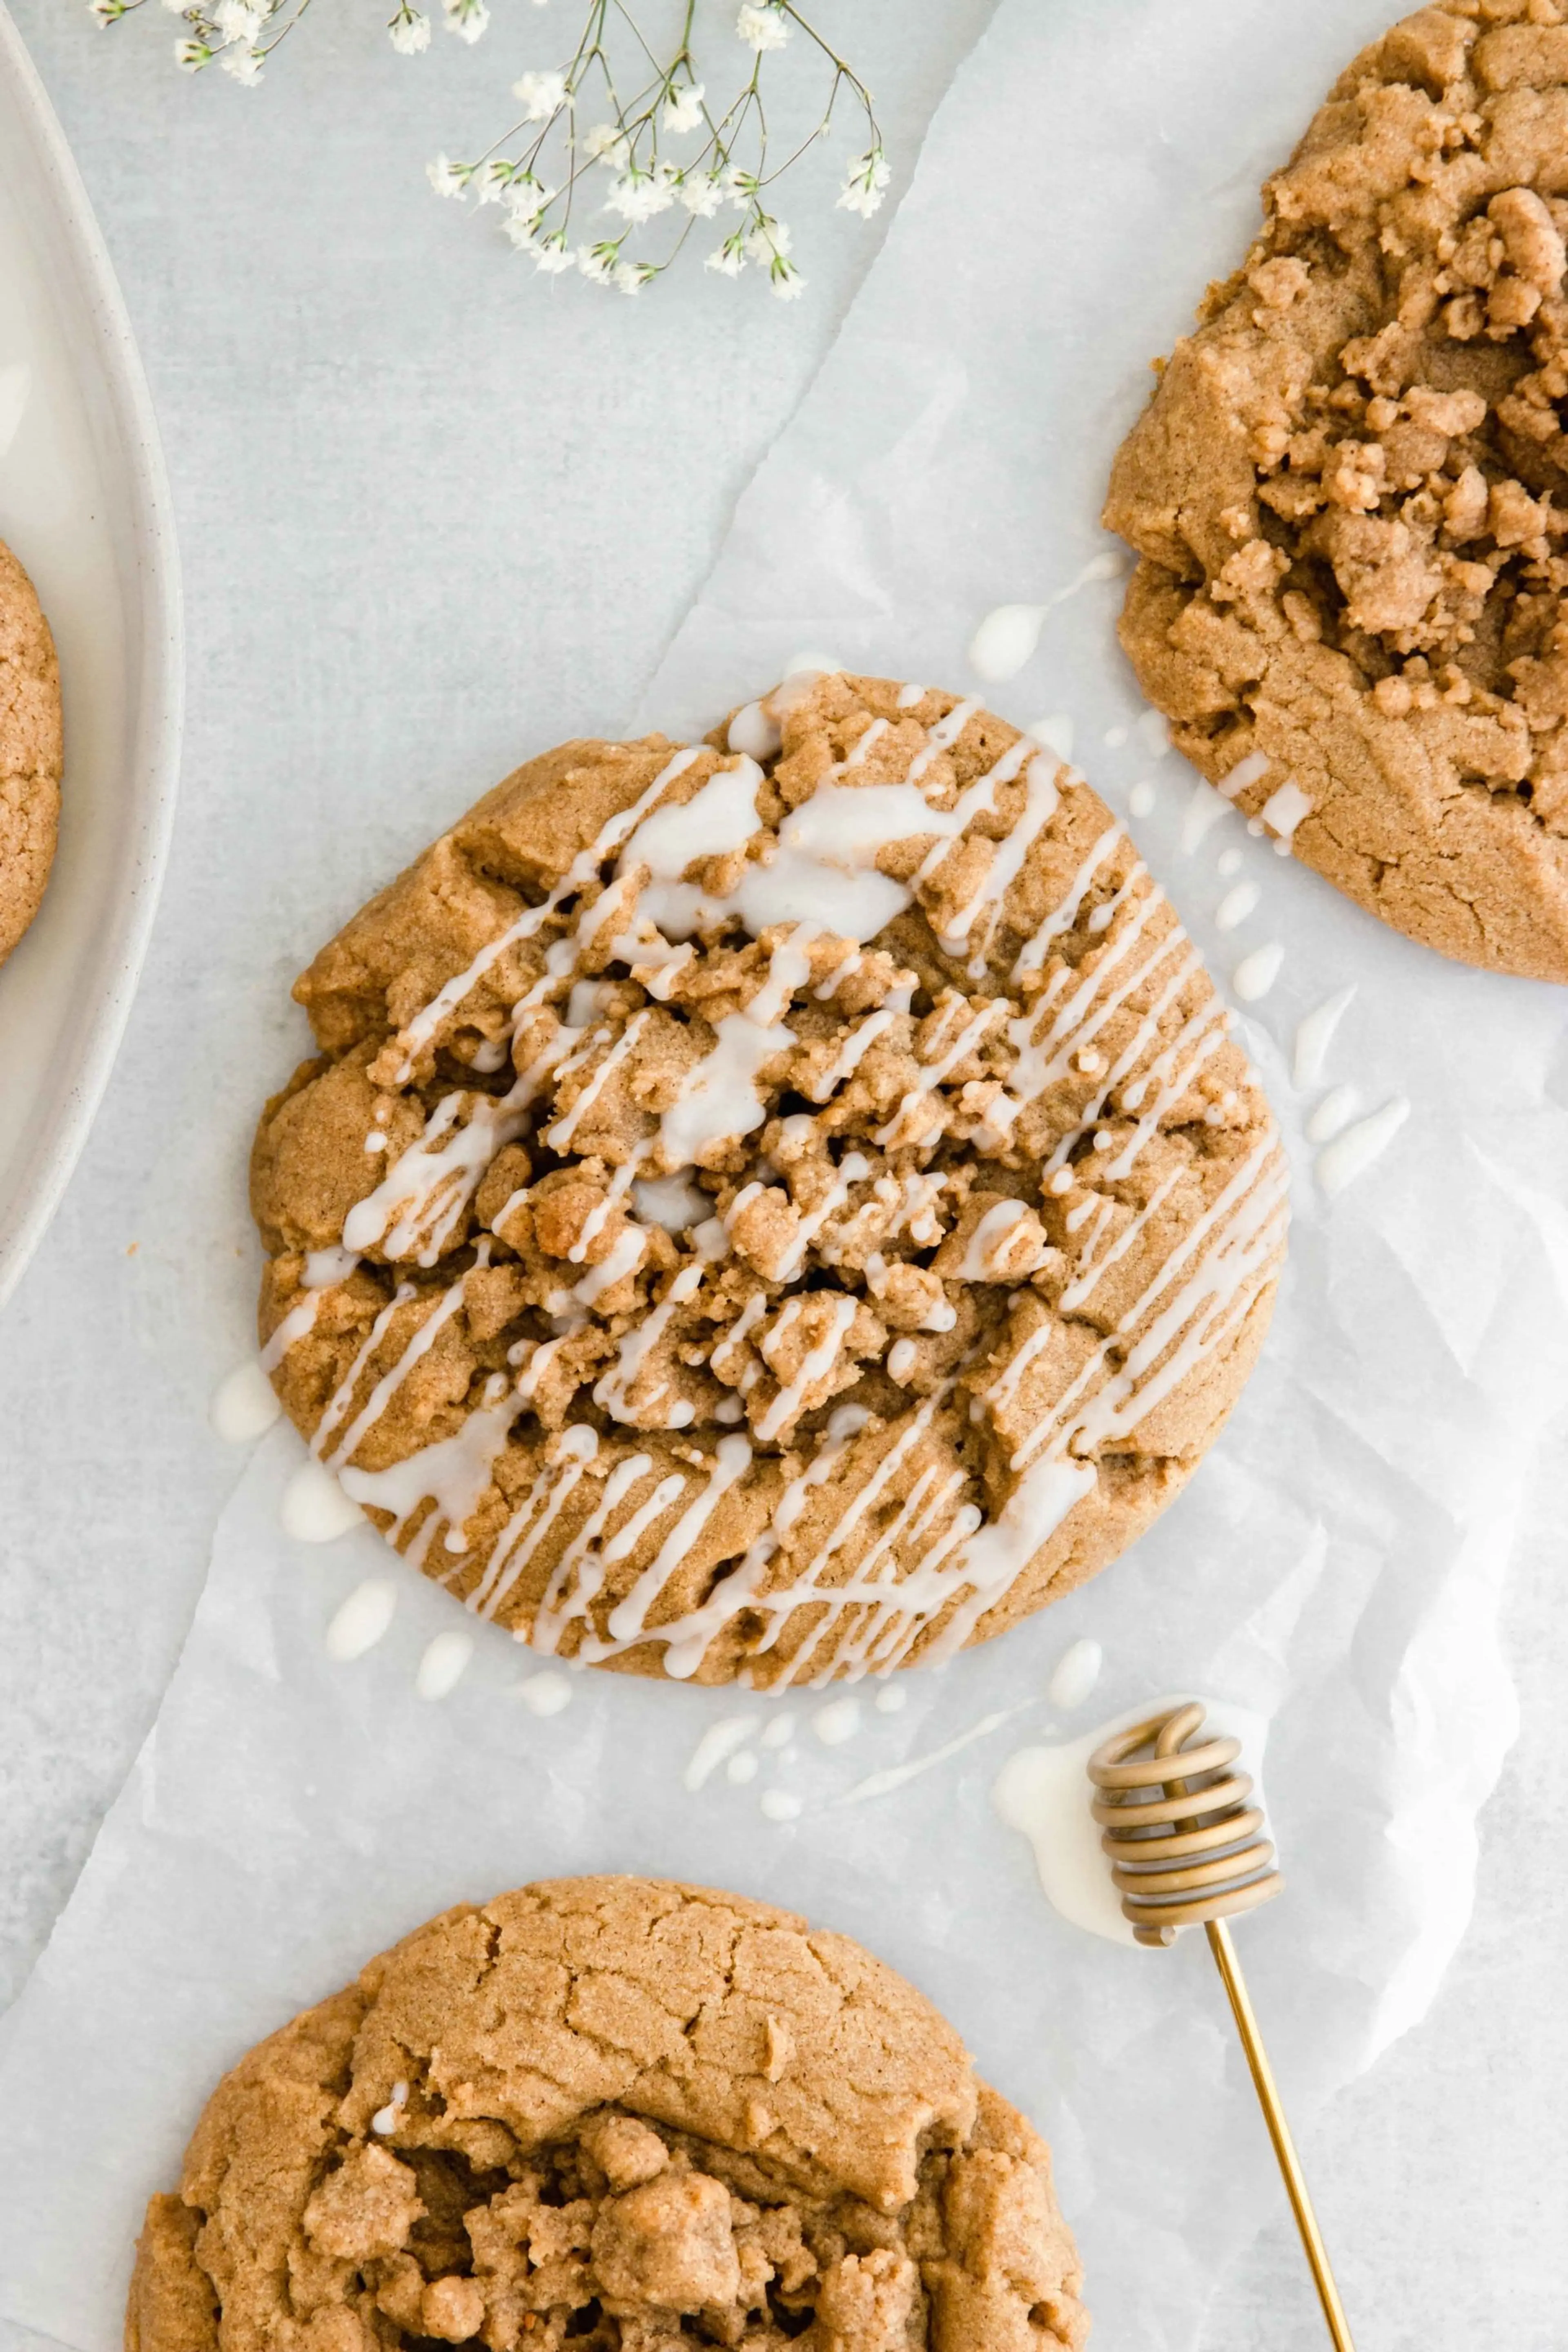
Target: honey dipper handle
<point>1229,1967</point>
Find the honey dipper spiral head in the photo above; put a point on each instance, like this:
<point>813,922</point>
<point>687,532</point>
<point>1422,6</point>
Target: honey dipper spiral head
<point>1186,1845</point>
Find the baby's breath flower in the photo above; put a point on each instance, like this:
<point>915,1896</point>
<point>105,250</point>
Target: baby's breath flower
<point>868,177</point>
<point>763,25</point>
<point>703,195</point>
<point>238,20</point>
<point>639,197</point>
<point>768,239</point>
<point>409,31</point>
<point>733,160</point>
<point>605,143</point>
<point>683,108</point>
<point>543,95</point>
<point>467,18</point>
<point>449,179</point>
<point>526,197</point>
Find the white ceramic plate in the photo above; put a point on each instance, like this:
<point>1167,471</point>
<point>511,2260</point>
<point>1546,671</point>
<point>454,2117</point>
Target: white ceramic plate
<point>85,504</point>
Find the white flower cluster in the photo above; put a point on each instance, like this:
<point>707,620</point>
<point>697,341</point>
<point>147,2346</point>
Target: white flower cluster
<point>619,162</point>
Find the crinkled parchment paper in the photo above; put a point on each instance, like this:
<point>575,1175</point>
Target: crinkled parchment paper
<point>1336,1562</point>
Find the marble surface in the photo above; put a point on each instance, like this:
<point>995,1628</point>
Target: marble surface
<point>433,513</point>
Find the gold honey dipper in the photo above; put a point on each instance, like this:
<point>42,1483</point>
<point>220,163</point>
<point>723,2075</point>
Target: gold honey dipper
<point>1186,1846</point>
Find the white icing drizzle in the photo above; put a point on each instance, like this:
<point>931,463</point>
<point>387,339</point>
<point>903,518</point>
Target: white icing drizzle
<point>1074,1675</point>
<point>1203,813</point>
<point>908,696</point>
<point>295,1325</point>
<point>837,1722</point>
<point>583,868</point>
<point>755,731</point>
<point>1256,973</point>
<point>1235,906</point>
<point>1005,641</point>
<point>1141,800</point>
<point>1283,810</point>
<point>1247,772</point>
<point>443,1665</point>
<point>245,1405</point>
<point>780,1805</point>
<point>314,1507</point>
<point>545,1695</point>
<point>1359,1146</point>
<point>1315,1033</point>
<point>1334,1113</point>
<point>359,1623</point>
<point>896,1776</point>
<point>716,1746</point>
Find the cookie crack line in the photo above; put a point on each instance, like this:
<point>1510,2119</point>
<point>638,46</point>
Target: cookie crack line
<point>1349,495</point>
<point>682,1248</point>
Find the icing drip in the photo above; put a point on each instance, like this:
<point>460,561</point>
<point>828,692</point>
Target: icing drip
<point>1316,1034</point>
<point>1359,1146</point>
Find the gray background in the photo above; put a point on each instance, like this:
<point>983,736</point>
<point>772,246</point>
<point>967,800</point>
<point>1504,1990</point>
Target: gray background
<point>436,512</point>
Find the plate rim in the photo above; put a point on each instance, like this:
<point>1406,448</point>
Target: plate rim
<point>155,673</point>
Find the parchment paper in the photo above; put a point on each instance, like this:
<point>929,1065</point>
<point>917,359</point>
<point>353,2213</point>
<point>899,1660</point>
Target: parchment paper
<point>1335,1564</point>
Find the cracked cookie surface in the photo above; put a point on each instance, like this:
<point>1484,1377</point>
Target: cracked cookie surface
<point>1350,499</point>
<point>29,752</point>
<point>778,1208</point>
<point>619,2113</point>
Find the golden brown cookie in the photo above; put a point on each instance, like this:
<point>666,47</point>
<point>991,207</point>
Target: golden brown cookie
<point>777,1210</point>
<point>616,2114</point>
<point>1349,497</point>
<point>29,752</point>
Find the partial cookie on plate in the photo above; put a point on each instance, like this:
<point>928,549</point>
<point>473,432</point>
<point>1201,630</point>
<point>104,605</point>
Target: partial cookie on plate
<point>1350,495</point>
<point>620,2113</point>
<point>30,752</point>
<point>778,1208</point>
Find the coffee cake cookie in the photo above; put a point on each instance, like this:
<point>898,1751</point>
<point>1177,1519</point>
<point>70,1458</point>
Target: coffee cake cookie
<point>29,752</point>
<point>618,2114</point>
<point>777,1208</point>
<point>1350,499</point>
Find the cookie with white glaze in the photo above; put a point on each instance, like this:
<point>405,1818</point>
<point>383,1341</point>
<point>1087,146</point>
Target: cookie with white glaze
<point>30,752</point>
<point>777,1211</point>
<point>617,2114</point>
<point>1350,495</point>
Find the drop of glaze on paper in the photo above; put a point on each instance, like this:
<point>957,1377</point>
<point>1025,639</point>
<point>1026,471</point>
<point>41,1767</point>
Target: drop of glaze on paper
<point>547,1694</point>
<point>245,1405</point>
<point>443,1664</point>
<point>360,1622</point>
<point>1314,1035</point>
<point>314,1508</point>
<point>1045,1794</point>
<point>1359,1146</point>
<point>1006,639</point>
<point>1075,1673</point>
<point>1256,973</point>
<point>716,1746</point>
